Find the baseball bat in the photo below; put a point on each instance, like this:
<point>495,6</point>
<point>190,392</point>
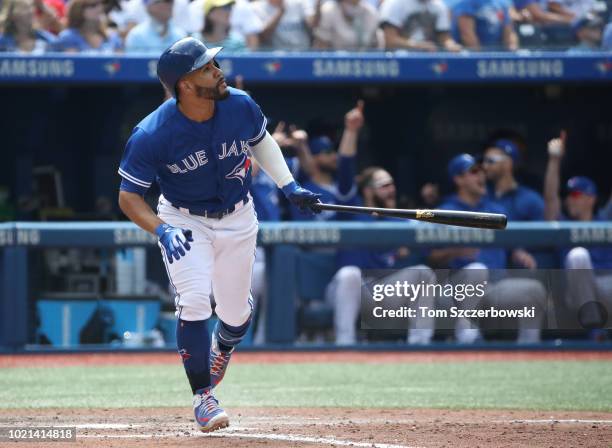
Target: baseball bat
<point>479,220</point>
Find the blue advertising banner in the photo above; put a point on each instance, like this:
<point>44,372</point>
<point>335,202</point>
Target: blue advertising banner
<point>382,67</point>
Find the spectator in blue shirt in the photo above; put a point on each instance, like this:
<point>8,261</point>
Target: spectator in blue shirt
<point>18,33</point>
<point>472,265</point>
<point>588,31</point>
<point>584,284</point>
<point>86,32</point>
<point>157,32</point>
<point>484,24</point>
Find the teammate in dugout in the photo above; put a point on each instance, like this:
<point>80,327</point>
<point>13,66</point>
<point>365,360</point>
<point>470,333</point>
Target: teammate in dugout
<point>196,146</point>
<point>589,269</point>
<point>377,189</point>
<point>473,265</point>
<point>332,173</point>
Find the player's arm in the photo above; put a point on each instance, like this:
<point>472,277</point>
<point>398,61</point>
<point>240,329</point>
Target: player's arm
<point>139,212</point>
<point>137,170</point>
<point>467,32</point>
<point>444,256</point>
<point>511,40</point>
<point>353,122</point>
<point>394,40</point>
<point>175,241</point>
<point>270,27</point>
<point>552,199</point>
<point>540,15</point>
<point>268,155</point>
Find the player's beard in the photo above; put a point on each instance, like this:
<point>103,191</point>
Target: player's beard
<point>212,93</point>
<point>384,202</point>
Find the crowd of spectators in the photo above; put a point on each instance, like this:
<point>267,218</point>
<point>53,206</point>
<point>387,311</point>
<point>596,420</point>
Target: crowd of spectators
<point>150,26</point>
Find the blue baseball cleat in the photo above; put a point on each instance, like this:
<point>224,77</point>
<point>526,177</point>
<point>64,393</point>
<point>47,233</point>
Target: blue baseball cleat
<point>219,361</point>
<point>209,416</point>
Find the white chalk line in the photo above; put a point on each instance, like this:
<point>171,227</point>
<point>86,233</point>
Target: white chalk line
<point>554,420</point>
<point>233,434</point>
<point>104,426</point>
<point>306,439</point>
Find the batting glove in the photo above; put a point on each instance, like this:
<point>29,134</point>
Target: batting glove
<point>303,199</point>
<point>175,241</point>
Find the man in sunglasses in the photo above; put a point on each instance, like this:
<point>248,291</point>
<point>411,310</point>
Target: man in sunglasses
<point>157,32</point>
<point>521,203</point>
<point>472,265</point>
<point>586,286</point>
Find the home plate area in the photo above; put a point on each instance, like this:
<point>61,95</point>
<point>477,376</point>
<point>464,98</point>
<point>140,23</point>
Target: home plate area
<point>293,427</point>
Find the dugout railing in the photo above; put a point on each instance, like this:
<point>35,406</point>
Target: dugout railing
<point>17,239</point>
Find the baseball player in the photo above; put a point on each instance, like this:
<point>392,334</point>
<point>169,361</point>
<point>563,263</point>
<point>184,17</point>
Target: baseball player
<point>588,269</point>
<point>473,265</point>
<point>196,146</point>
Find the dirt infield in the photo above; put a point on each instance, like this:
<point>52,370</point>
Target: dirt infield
<point>282,427</point>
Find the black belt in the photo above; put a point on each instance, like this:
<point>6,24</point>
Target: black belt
<point>214,215</point>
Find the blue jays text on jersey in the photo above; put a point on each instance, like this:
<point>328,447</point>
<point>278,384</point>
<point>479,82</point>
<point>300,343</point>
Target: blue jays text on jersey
<point>198,166</point>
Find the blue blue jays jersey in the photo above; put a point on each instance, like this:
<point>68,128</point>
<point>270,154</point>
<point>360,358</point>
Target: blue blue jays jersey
<point>493,258</point>
<point>342,191</point>
<point>199,166</point>
<point>521,204</point>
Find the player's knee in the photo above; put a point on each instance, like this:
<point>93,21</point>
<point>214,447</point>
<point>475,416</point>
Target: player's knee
<point>426,274</point>
<point>350,275</point>
<point>578,258</point>
<point>476,265</point>
<point>235,317</point>
<point>529,292</point>
<point>192,313</point>
<point>476,272</point>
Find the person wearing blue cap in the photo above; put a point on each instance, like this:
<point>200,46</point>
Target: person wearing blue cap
<point>333,172</point>
<point>473,264</point>
<point>584,285</point>
<point>521,203</point>
<point>197,146</point>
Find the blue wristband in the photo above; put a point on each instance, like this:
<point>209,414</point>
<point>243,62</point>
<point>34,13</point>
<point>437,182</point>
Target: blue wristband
<point>161,229</point>
<point>290,188</point>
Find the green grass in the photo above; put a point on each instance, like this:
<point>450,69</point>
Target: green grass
<point>537,385</point>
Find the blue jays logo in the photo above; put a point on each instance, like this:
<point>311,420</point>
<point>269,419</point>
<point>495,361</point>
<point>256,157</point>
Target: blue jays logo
<point>604,67</point>
<point>439,68</point>
<point>272,67</point>
<point>112,67</point>
<point>241,170</point>
<point>184,354</point>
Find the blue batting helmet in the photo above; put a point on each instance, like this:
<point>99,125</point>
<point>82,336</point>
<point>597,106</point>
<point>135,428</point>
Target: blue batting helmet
<point>183,56</point>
